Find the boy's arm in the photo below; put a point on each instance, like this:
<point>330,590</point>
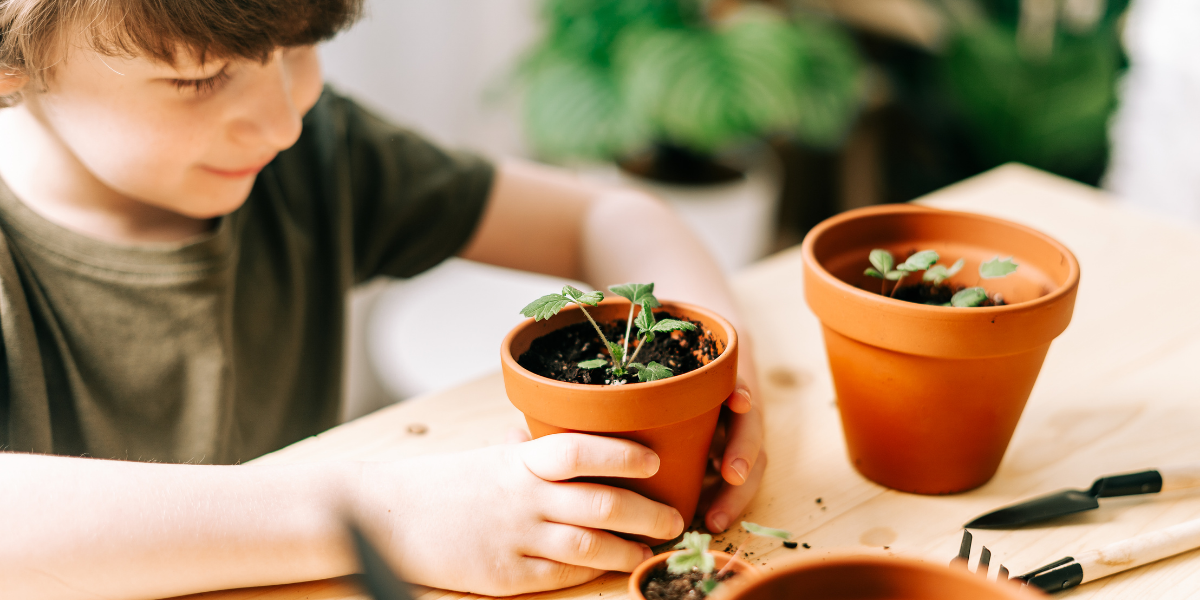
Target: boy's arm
<point>493,521</point>
<point>545,220</point>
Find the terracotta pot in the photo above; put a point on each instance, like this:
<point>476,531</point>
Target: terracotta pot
<point>674,417</point>
<point>930,395</point>
<point>874,578</point>
<point>746,572</point>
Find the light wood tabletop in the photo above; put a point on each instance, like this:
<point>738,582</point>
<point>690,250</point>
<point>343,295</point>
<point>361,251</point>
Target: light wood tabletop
<point>1120,391</point>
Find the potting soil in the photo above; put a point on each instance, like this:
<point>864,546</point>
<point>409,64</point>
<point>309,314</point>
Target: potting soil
<point>665,585</point>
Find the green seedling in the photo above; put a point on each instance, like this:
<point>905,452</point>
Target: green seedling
<point>693,555</point>
<point>639,295</point>
<point>925,260</point>
<point>755,530</point>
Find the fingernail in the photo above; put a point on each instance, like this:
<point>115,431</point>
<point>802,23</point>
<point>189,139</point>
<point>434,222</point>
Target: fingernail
<point>741,467</point>
<point>650,463</point>
<point>679,524</point>
<point>745,392</point>
<point>647,553</point>
<point>720,521</point>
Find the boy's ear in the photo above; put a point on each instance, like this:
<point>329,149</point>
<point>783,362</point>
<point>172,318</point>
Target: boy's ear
<point>11,82</point>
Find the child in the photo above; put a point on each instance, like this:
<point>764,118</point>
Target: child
<point>183,209</point>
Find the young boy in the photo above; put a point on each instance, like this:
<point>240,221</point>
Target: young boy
<point>183,209</point>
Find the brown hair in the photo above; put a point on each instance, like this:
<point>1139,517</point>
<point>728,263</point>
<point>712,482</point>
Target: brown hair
<point>33,33</point>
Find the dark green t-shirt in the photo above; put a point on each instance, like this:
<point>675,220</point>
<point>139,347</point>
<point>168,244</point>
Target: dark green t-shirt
<point>226,347</point>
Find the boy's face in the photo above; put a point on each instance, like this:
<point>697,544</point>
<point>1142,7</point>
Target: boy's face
<point>188,138</point>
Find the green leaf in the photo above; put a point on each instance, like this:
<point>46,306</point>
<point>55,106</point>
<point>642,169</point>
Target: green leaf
<point>645,320</point>
<point>707,585</point>
<point>895,275</point>
<point>757,529</point>
<point>595,363</point>
<point>618,353</point>
<point>666,325</point>
<point>996,268</point>
<point>653,372</point>
<point>937,273</point>
<point>969,297</point>
<point>873,273</point>
<point>637,293</point>
<point>577,295</point>
<point>953,270</point>
<point>882,260</point>
<point>919,262</point>
<point>694,555</point>
<point>545,307</point>
<point>636,365</point>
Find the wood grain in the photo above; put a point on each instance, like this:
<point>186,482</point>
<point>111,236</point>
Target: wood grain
<point>1118,393</point>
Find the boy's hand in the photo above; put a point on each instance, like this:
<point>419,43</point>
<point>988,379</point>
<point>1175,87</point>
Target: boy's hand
<point>737,449</point>
<point>502,521</point>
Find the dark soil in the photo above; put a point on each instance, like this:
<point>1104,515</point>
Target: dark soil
<point>557,354</point>
<point>927,293</point>
<point>665,585</point>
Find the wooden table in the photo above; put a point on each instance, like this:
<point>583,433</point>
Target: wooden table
<point>1120,391</point>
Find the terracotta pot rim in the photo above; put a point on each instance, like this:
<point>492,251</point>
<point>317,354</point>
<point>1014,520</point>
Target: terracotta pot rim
<point>635,578</point>
<point>840,558</point>
<point>940,313</point>
<point>712,320</point>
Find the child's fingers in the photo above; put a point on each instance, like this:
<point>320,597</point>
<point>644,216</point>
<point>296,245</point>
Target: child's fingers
<point>733,499</point>
<point>586,547</point>
<point>565,456</point>
<point>740,401</point>
<point>743,440</point>
<point>516,435</point>
<point>603,507</point>
<point>545,574</point>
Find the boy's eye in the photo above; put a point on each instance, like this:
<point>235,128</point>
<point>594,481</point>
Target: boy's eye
<point>201,86</point>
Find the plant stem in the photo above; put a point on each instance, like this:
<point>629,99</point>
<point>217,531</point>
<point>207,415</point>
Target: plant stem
<point>897,286</point>
<point>602,338</point>
<point>629,330</point>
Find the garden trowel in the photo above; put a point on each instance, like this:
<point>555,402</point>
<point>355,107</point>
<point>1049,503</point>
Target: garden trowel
<point>1066,502</point>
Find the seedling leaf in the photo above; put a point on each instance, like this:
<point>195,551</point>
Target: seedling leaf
<point>873,273</point>
<point>637,293</point>
<point>895,275</point>
<point>882,260</point>
<point>938,273</point>
<point>545,307</point>
<point>694,554</point>
<point>618,353</point>
<point>653,372</point>
<point>958,265</point>
<point>996,268</point>
<point>969,297</point>
<point>667,325</point>
<point>707,585</point>
<point>589,298</point>
<point>919,262</point>
<point>645,320</point>
<point>595,363</point>
<point>757,529</point>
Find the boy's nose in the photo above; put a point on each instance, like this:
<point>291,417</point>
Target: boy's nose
<point>271,117</point>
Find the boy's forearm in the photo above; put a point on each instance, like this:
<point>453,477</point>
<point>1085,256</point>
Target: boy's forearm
<point>83,528</point>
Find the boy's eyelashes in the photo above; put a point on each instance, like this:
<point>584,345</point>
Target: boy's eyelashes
<point>202,86</point>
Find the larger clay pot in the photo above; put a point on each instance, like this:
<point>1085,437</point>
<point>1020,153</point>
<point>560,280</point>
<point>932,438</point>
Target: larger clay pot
<point>674,417</point>
<point>874,578</point>
<point>930,395</point>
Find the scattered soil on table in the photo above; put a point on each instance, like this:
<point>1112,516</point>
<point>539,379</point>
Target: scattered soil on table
<point>927,293</point>
<point>665,585</point>
<point>557,354</point>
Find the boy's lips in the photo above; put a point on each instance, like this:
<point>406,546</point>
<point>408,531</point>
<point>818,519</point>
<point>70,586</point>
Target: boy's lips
<point>236,173</point>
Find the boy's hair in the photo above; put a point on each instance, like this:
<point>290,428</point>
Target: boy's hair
<point>34,34</point>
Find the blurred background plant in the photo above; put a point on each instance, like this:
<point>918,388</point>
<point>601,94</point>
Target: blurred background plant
<point>613,77</point>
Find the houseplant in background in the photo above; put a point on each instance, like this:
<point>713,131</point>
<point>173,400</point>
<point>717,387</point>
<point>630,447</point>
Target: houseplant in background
<point>675,416</point>
<point>930,395</point>
<point>673,89</point>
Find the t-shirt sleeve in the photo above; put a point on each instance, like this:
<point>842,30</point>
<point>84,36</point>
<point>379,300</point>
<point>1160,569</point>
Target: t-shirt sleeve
<point>415,204</point>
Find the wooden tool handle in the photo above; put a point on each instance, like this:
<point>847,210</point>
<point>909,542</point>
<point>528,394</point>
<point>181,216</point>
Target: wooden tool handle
<point>1140,550</point>
<point>1180,477</point>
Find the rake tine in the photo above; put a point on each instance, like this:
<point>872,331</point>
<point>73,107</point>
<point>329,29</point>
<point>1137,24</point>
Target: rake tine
<point>1003,574</point>
<point>985,559</point>
<point>964,551</point>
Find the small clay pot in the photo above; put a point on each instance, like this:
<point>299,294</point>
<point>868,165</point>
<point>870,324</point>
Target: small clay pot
<point>746,572</point>
<point>930,395</point>
<point>874,578</point>
<point>675,417</point>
